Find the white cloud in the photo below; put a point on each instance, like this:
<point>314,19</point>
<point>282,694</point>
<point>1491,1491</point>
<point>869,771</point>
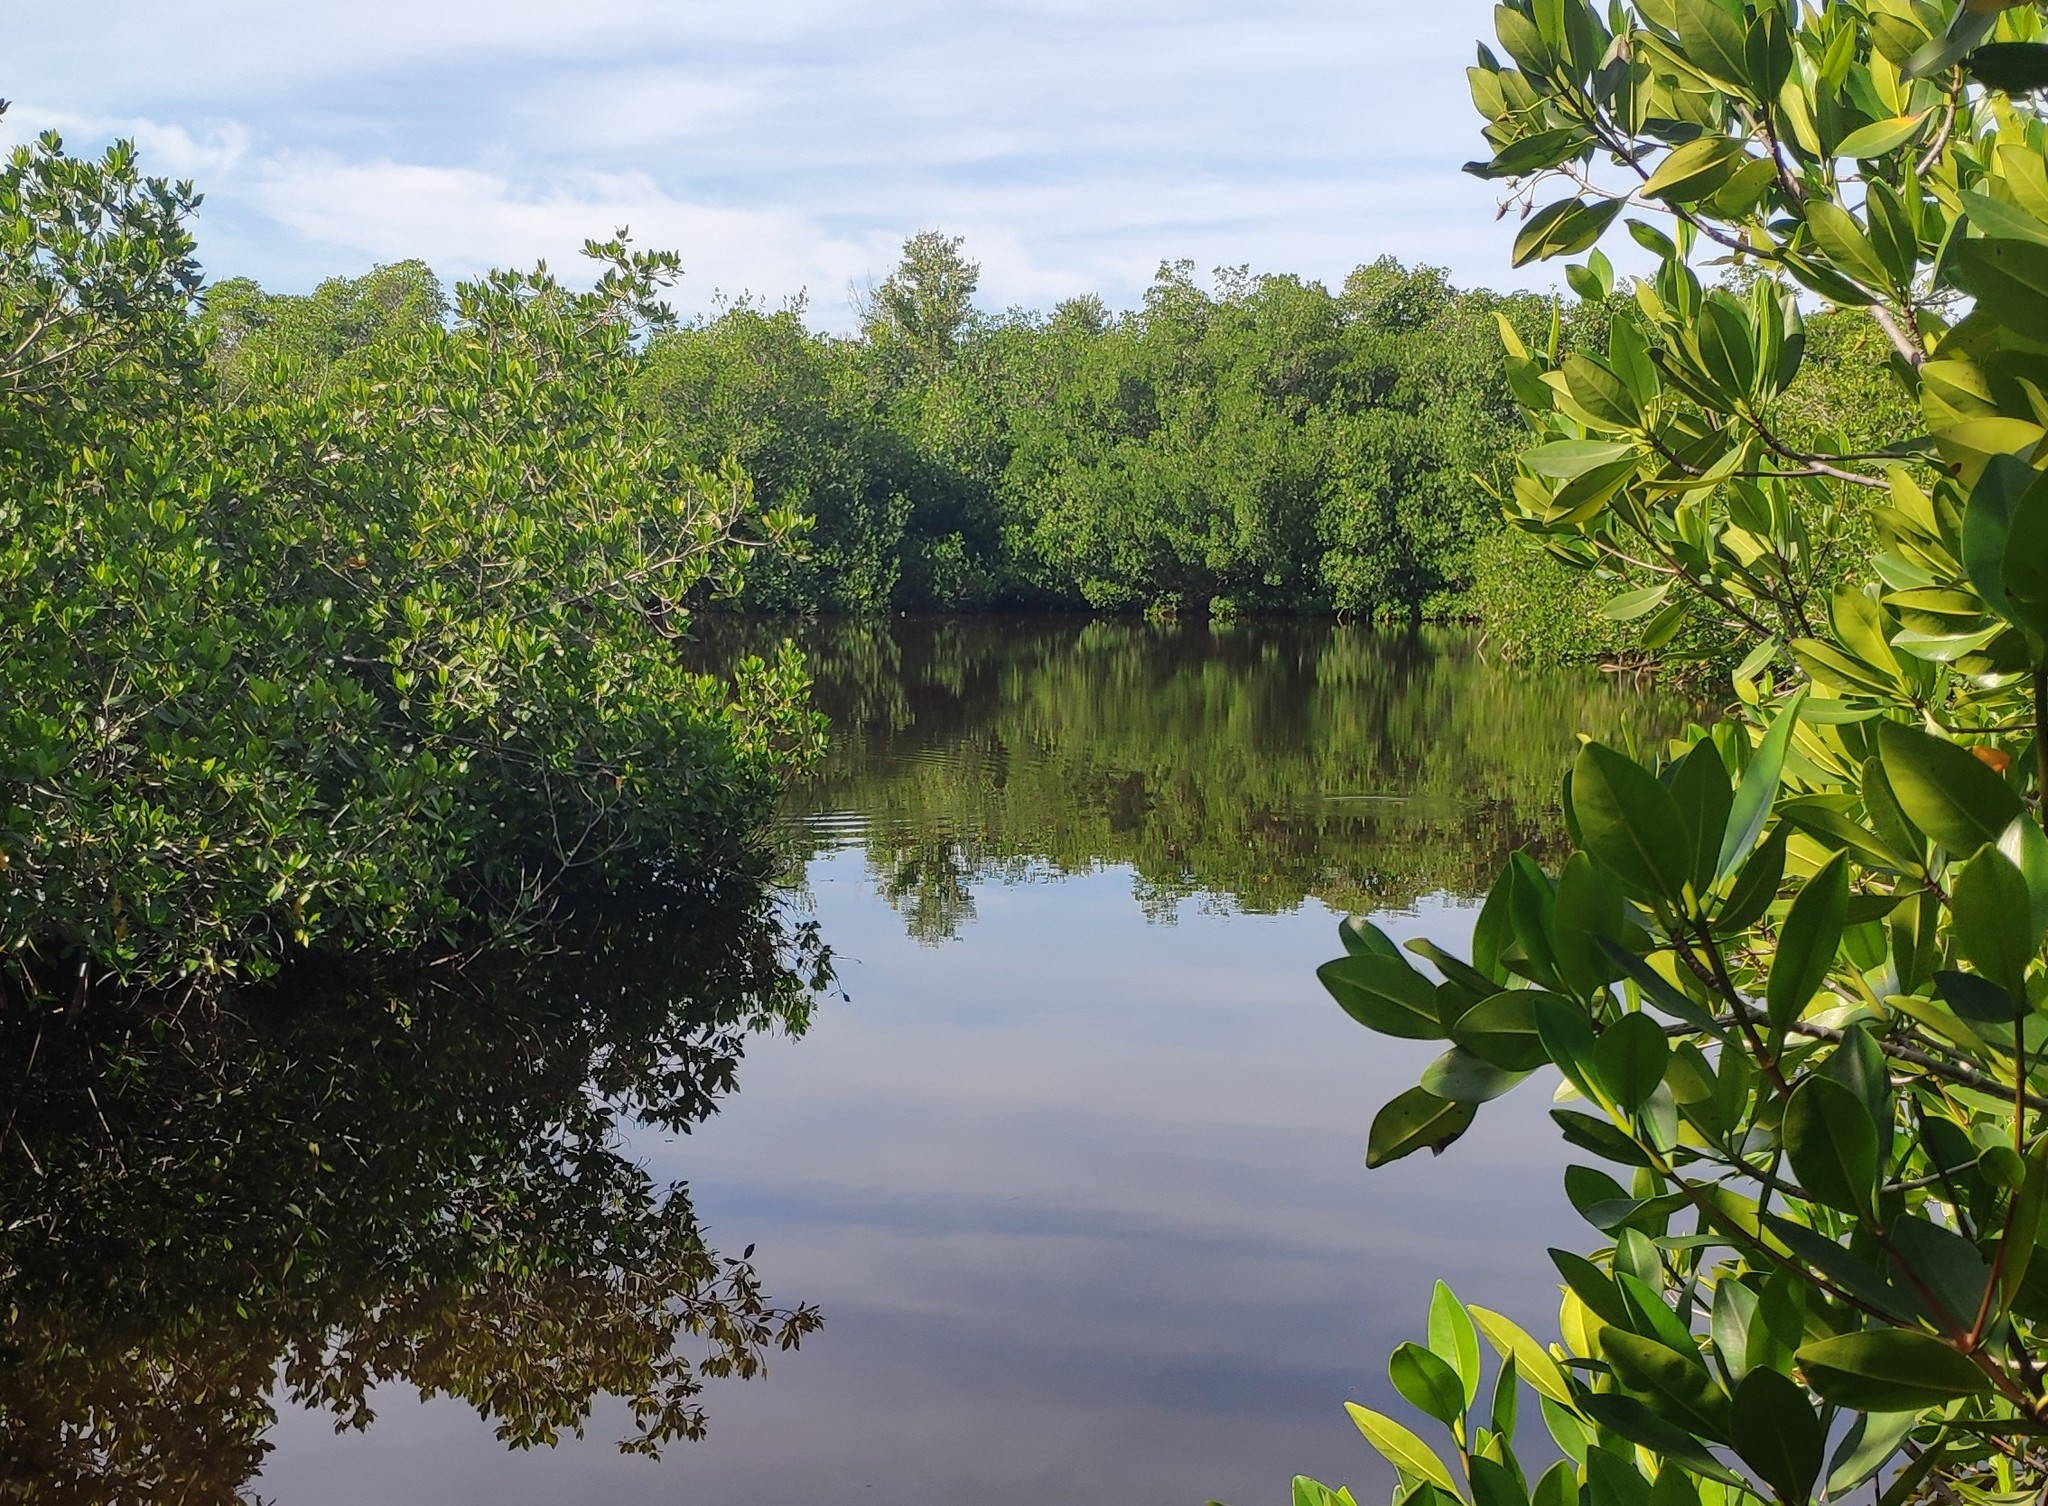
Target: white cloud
<point>785,144</point>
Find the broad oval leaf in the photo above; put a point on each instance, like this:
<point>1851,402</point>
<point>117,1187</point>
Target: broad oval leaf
<point>1890,1370</point>
<point>1831,1141</point>
<point>1427,1382</point>
<point>1630,1058</point>
<point>1807,944</point>
<point>1462,1076</point>
<point>1502,1030</point>
<point>1417,1120</point>
<point>1401,1448</point>
<point>1385,994</point>
<point>1631,823</point>
<point>1945,791</point>
<point>1777,1434</point>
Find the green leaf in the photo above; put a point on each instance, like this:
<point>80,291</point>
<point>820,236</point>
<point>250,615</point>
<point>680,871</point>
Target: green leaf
<point>1987,529</point>
<point>1676,1388</point>
<point>1695,170</point>
<point>1755,887</point>
<point>1501,1029</point>
<point>1531,1359</point>
<point>1567,1038</point>
<point>1630,1059</point>
<point>1592,1287</point>
<point>1599,1137</point>
<point>1807,943</point>
<point>2015,67</point>
<point>1994,920</point>
<point>1462,1076</point>
<point>1563,459</point>
<point>1880,137</point>
<point>1713,42</point>
<point>1362,938</point>
<point>1493,1485</point>
<point>1563,229</point>
<point>1558,1487</point>
<point>1630,822</point>
<point>1867,1448</point>
<point>1699,788</point>
<point>1832,1144</point>
<point>1889,1370</point>
<point>2010,281</point>
<point>1757,790</point>
<point>1588,913</point>
<point>1838,234</point>
<point>1777,1434</point>
<point>1630,605</point>
<point>1384,994</point>
<point>1454,1339</point>
<point>1635,1422</point>
<point>1945,791</point>
<point>1429,1384</point>
<point>2023,569</point>
<point>1401,1448</point>
<point>1417,1120</point>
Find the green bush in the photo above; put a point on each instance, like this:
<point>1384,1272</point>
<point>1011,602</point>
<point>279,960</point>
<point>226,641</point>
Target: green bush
<point>1791,973</point>
<point>367,659</point>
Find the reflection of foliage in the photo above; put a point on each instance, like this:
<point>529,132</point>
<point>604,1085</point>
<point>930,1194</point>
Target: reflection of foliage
<point>351,1180</point>
<point>1263,763</point>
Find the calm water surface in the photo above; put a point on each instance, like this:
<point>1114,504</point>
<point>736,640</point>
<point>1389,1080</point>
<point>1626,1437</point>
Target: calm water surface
<point>1072,1162</point>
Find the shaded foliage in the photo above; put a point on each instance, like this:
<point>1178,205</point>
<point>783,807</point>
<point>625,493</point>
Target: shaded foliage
<point>368,1174</point>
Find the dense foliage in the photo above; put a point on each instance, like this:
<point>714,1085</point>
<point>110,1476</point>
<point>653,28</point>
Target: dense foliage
<point>1791,975</point>
<point>368,650</point>
<point>1264,444</point>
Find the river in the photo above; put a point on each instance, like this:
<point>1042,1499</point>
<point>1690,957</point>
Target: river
<point>1070,1156</point>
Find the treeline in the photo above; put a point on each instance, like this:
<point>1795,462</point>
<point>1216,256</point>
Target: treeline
<point>1259,444</point>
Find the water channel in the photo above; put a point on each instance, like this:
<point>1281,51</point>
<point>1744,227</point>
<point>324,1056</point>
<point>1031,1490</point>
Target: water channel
<point>1069,1156</point>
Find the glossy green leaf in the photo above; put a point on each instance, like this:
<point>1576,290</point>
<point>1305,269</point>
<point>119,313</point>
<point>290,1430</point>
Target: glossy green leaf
<point>1889,1370</point>
<point>1384,994</point>
<point>1599,1137</point>
<point>1501,1029</point>
<point>1531,1359</point>
<point>1630,822</point>
<point>1671,1385</point>
<point>1428,1383</point>
<point>1808,941</point>
<point>1757,790</point>
<point>1461,1076</point>
<point>1881,137</point>
<point>1867,1448</point>
<point>1775,1431</point>
<point>1630,1058</point>
<point>1417,1120</point>
<point>1945,791</point>
<point>1454,1338</point>
<point>2010,280</point>
<point>1831,1142</point>
<point>1362,938</point>
<point>1401,1448</point>
<point>1994,920</point>
<point>1563,229</point>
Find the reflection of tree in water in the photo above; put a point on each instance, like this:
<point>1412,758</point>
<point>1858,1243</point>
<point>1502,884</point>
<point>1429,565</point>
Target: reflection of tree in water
<point>339,1181</point>
<point>1260,763</point>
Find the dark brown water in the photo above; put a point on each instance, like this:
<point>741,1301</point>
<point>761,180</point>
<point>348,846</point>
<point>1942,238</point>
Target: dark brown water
<point>1072,1163</point>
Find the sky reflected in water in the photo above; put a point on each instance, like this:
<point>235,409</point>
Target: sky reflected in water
<point>1076,1176</point>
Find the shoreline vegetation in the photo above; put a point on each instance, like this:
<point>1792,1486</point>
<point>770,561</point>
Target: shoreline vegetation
<point>352,618</point>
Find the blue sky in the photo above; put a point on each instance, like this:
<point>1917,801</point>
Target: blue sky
<point>786,145</point>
